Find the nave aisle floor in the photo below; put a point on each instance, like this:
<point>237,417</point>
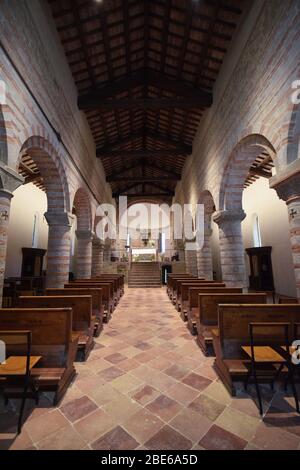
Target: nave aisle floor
<point>146,385</point>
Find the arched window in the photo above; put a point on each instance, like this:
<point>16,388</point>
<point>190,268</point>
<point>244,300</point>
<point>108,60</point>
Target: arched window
<point>256,231</point>
<point>35,231</point>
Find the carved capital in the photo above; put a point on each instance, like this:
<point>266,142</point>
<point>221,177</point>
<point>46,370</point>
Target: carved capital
<point>59,218</point>
<point>234,215</point>
<point>287,188</point>
<point>84,234</point>
<point>10,180</point>
<point>97,242</point>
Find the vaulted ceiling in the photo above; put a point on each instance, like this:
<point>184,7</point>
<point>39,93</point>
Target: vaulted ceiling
<point>145,71</point>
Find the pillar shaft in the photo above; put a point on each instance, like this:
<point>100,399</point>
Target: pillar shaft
<point>231,247</point>
<point>204,257</point>
<point>59,246</point>
<point>84,254</point>
<point>97,257</point>
<point>288,189</point>
<point>5,201</point>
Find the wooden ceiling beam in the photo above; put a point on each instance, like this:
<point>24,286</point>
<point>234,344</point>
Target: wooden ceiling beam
<point>141,153</point>
<point>96,98</point>
<point>90,102</point>
<point>141,179</point>
<point>168,194</point>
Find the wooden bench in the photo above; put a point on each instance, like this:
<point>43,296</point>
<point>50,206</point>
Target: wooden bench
<point>119,278</point>
<point>232,363</point>
<point>97,305</point>
<point>193,299</point>
<point>82,324</point>
<point>52,339</point>
<point>207,314</point>
<point>175,284</point>
<point>172,280</point>
<point>183,293</point>
<point>107,295</point>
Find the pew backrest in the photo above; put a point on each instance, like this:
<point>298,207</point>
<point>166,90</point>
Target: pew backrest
<point>233,321</point>
<point>208,304</point>
<point>80,305</point>
<point>96,294</point>
<point>183,287</point>
<point>107,290</point>
<point>195,291</point>
<point>51,331</point>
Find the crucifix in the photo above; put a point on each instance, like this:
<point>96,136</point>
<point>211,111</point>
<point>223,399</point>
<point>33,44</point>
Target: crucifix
<point>4,215</point>
<point>292,213</point>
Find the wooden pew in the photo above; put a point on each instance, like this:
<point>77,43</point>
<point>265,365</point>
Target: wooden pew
<point>116,285</point>
<point>111,282</point>
<point>174,286</point>
<point>118,277</point>
<point>107,295</point>
<point>82,324</point>
<point>207,315</point>
<point>171,283</point>
<point>182,296</point>
<point>231,362</point>
<point>52,338</point>
<point>97,305</point>
<point>283,299</point>
<point>193,298</point>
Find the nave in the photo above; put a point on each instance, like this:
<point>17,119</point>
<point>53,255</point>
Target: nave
<point>147,385</point>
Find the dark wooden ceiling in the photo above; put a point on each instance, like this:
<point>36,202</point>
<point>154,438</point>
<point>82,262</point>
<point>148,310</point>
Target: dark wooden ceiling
<point>145,72</point>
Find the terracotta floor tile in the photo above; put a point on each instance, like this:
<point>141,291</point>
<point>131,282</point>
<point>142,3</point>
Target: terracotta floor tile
<point>160,363</point>
<point>207,407</point>
<point>191,424</point>
<point>95,425</point>
<point>196,381</point>
<point>78,408</point>
<point>168,438</point>
<point>143,425</point>
<point>218,392</point>
<point>65,439</point>
<point>220,439</point>
<point>144,394</point>
<point>182,393</point>
<point>39,428</point>
<point>116,439</point>
<point>126,383</point>
<point>111,373</point>
<point>177,371</point>
<point>128,365</point>
<point>164,407</point>
<point>274,439</point>
<point>122,409</point>
<point>238,423</point>
<point>115,358</point>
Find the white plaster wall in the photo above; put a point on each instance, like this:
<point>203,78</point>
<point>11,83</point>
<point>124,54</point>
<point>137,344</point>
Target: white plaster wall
<point>274,228</point>
<point>27,201</point>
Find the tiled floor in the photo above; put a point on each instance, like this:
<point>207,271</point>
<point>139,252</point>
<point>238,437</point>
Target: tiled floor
<point>147,385</point>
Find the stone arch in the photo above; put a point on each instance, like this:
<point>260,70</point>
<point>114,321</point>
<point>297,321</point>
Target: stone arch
<point>49,163</point>
<point>236,170</point>
<point>83,210</point>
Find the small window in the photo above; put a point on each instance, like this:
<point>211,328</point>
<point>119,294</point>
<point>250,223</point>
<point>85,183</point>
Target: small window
<point>35,231</point>
<point>256,231</point>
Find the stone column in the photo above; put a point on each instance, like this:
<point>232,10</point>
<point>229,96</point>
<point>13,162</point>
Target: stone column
<point>231,247</point>
<point>5,200</point>
<point>97,257</point>
<point>204,256</point>
<point>84,254</point>
<point>9,182</point>
<point>191,262</point>
<point>289,190</point>
<point>59,247</point>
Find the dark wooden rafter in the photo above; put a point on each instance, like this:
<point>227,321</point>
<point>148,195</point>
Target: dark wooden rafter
<point>145,73</point>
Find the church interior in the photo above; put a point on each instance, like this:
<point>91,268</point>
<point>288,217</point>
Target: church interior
<point>129,131</point>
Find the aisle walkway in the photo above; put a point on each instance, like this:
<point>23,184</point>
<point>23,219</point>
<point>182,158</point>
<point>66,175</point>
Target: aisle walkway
<point>147,385</point>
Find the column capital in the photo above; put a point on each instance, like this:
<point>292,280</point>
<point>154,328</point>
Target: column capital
<point>98,242</point>
<point>4,193</point>
<point>59,218</point>
<point>287,187</point>
<point>10,180</point>
<point>233,215</point>
<point>84,234</point>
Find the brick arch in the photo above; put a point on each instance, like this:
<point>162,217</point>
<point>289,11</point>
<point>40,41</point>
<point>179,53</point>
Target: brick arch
<point>237,168</point>
<point>83,210</point>
<point>49,163</point>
